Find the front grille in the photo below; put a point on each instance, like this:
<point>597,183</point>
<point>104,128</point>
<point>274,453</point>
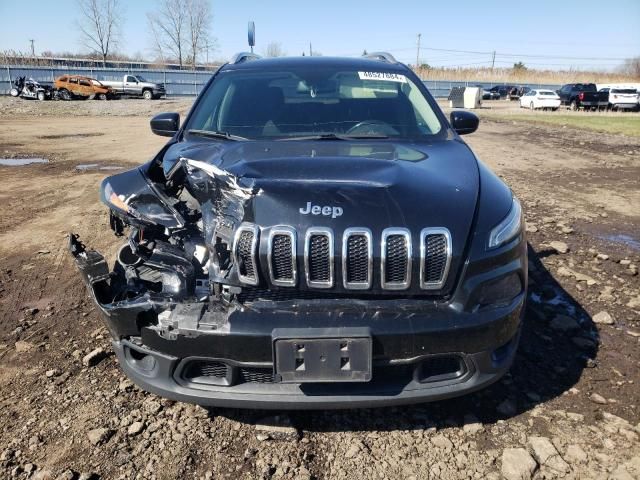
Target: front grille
<point>206,369</point>
<point>282,256</point>
<point>256,375</point>
<point>435,256</point>
<point>246,244</point>
<point>319,257</point>
<point>357,257</point>
<point>396,259</point>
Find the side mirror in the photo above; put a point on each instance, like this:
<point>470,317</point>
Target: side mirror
<point>165,124</point>
<point>464,122</point>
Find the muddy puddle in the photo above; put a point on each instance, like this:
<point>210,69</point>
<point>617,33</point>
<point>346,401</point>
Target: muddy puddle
<point>20,162</point>
<point>96,166</point>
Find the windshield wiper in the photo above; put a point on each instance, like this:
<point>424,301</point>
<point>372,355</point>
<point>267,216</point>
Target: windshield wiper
<point>212,134</point>
<point>334,136</point>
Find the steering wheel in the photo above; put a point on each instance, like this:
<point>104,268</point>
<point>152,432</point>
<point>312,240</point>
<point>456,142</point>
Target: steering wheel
<point>372,127</point>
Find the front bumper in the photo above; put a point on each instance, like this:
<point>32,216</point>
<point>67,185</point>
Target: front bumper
<point>162,374</point>
<point>421,350</point>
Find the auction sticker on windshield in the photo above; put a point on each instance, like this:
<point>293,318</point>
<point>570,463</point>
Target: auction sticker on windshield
<point>387,77</point>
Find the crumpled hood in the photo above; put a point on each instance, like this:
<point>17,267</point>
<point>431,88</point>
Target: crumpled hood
<point>374,185</point>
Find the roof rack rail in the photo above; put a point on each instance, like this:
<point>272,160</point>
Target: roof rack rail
<point>383,56</point>
<point>244,57</point>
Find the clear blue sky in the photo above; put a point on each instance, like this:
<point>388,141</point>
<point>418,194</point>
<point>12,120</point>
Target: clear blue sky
<point>555,34</point>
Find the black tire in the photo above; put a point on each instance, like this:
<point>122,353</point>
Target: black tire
<point>147,95</point>
<point>573,106</point>
<point>102,96</point>
<point>65,95</point>
<point>554,108</point>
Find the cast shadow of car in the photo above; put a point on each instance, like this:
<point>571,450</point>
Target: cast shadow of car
<point>552,354</point>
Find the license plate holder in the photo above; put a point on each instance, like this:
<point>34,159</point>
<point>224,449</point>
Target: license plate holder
<point>322,356</point>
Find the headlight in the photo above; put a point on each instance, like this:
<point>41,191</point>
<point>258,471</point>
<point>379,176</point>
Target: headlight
<point>508,228</point>
<point>114,199</point>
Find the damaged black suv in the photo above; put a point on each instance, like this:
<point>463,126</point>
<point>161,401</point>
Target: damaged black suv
<point>314,235</point>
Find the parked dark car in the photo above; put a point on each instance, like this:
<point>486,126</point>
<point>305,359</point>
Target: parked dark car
<point>516,92</point>
<point>582,95</point>
<point>316,234</point>
<point>488,94</point>
<point>502,90</point>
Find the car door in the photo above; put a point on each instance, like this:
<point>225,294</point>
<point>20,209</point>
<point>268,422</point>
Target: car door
<point>84,87</point>
<point>130,85</point>
<point>72,86</point>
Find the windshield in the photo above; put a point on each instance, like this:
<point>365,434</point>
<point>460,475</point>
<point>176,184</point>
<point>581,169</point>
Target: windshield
<point>307,101</point>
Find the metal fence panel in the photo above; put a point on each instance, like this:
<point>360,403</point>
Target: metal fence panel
<point>177,82</point>
<point>185,82</point>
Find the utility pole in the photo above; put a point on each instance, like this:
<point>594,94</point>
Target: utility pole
<point>493,59</point>
<point>418,52</point>
<point>33,49</point>
<point>310,50</point>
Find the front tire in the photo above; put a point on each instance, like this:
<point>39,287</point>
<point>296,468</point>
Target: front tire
<point>147,95</point>
<point>41,96</point>
<point>573,106</point>
<point>102,96</point>
<point>14,92</point>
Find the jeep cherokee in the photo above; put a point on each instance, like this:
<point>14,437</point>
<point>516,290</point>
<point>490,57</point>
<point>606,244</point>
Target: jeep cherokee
<point>314,235</point>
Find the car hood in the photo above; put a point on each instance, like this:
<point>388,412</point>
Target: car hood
<point>370,184</point>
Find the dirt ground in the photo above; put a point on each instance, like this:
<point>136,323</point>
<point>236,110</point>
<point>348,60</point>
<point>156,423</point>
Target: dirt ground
<point>570,407</point>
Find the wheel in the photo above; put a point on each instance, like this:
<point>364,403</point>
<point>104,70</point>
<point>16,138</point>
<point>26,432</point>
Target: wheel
<point>65,94</point>
<point>573,106</point>
<point>14,92</point>
<point>531,107</point>
<point>102,96</point>
<point>41,96</point>
<point>554,109</point>
<point>147,94</point>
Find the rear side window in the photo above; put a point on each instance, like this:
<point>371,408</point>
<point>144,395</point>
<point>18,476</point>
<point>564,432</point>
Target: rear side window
<point>623,90</point>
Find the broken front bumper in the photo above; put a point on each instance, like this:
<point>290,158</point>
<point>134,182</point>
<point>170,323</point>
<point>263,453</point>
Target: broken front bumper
<point>224,356</point>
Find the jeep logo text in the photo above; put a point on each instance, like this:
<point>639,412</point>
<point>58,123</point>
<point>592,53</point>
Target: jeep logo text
<point>327,211</point>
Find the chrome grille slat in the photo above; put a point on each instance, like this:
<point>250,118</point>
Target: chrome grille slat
<point>319,257</point>
<point>281,256</point>
<point>435,257</point>
<point>357,259</point>
<point>395,259</point>
<point>245,248</point>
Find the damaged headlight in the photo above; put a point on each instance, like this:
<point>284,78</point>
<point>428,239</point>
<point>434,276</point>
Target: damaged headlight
<point>508,228</point>
<point>132,194</point>
<point>115,200</point>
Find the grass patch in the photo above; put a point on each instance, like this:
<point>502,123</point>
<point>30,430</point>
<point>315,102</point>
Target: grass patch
<point>626,124</point>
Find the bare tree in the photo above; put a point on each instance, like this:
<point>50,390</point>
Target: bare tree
<point>631,67</point>
<point>274,49</point>
<point>99,24</point>
<point>181,29</point>
<point>199,17</point>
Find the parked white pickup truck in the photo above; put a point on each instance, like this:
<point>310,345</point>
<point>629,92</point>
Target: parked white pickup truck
<point>136,85</point>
